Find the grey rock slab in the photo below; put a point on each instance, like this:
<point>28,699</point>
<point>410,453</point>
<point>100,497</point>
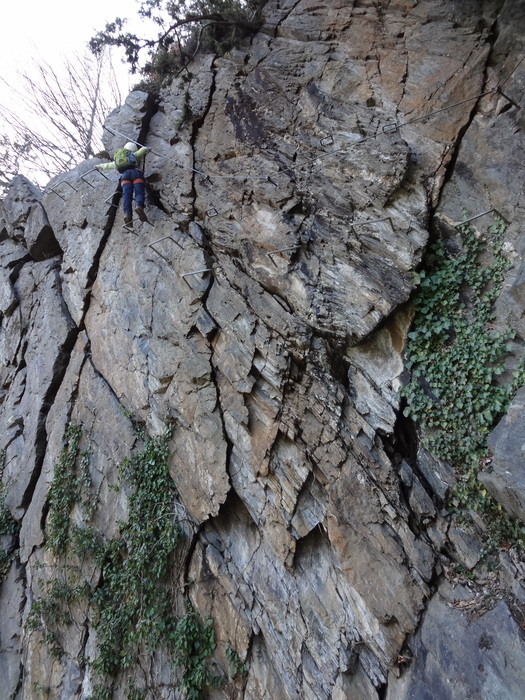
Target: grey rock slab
<point>512,572</point>
<point>455,656</point>
<point>48,329</point>
<point>376,366</point>
<point>11,641</point>
<point>467,549</point>
<point>373,558</point>
<point>506,476</point>
<point>17,204</point>
<point>438,474</point>
<point>128,119</point>
<point>39,237</point>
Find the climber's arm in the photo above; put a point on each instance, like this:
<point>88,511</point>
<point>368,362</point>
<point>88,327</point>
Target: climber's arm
<point>105,166</point>
<point>142,152</point>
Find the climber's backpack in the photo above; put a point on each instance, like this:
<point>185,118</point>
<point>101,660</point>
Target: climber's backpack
<point>124,159</point>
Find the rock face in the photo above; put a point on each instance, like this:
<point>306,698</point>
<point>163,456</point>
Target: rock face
<point>263,313</point>
<point>484,654</point>
<point>506,480</point>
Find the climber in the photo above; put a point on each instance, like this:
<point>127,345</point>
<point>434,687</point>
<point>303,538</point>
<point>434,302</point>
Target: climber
<point>132,181</point>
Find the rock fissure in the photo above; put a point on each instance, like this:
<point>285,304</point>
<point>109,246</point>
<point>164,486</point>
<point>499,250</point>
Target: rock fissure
<point>288,12</point>
<point>59,369</point>
<point>195,126</point>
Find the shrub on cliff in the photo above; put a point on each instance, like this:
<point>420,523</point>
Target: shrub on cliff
<point>183,28</point>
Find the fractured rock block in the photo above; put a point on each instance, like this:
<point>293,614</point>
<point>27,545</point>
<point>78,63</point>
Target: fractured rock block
<point>39,236</point>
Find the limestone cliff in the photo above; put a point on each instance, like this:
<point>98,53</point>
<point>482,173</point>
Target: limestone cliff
<point>261,319</point>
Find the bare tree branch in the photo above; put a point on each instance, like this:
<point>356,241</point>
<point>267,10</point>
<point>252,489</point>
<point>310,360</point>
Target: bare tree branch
<point>59,114</point>
<point>241,16</point>
<point>11,153</point>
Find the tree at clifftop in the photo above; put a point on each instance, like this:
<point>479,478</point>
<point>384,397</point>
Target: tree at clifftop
<point>184,26</point>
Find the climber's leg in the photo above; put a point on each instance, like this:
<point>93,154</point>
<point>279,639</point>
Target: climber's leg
<point>127,193</point>
<point>139,188</point>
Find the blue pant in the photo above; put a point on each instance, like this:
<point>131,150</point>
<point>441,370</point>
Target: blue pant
<point>132,182</point>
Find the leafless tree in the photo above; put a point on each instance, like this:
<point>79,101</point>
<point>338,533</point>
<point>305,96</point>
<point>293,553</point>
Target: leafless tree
<point>12,152</point>
<point>59,113</point>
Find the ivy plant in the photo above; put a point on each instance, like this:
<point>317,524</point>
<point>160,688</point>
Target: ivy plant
<point>8,525</point>
<point>460,383</point>
<point>63,492</point>
<point>194,642</point>
<point>131,606</point>
<point>236,666</point>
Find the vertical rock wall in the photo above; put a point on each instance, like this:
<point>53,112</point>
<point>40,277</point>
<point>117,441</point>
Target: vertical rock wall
<point>314,535</point>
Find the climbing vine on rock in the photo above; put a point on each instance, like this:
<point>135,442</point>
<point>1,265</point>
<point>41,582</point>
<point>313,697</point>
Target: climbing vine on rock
<point>51,613</point>
<point>8,525</point>
<point>457,359</point>
<point>134,609</point>
<point>194,642</point>
<point>122,584</point>
<point>64,491</point>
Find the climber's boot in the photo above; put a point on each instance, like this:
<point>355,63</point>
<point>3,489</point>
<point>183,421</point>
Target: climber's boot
<point>141,213</point>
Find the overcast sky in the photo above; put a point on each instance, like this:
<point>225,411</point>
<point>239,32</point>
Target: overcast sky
<point>51,32</point>
<point>52,29</point>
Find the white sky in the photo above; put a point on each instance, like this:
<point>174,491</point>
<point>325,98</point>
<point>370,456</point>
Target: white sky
<point>52,30</point>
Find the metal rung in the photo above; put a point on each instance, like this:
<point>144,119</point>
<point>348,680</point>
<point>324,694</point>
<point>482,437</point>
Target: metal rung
<point>164,238</point>
<point>509,99</point>
<point>211,212</point>
<point>63,182</point>
<point>53,191</point>
<point>96,170</point>
<point>373,221</point>
<point>478,216</point>
<point>106,201</point>
<point>390,128</point>
<point>196,272</point>
<point>327,141</point>
<point>283,250</point>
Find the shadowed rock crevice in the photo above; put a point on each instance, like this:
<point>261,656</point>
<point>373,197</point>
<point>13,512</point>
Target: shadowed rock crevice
<point>92,272</point>
<point>196,124</point>
<point>59,370</point>
<point>452,156</point>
